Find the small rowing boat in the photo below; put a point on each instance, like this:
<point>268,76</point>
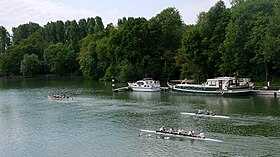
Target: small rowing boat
<point>59,97</point>
<point>179,135</point>
<point>204,115</point>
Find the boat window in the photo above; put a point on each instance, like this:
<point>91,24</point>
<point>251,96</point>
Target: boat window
<point>212,83</point>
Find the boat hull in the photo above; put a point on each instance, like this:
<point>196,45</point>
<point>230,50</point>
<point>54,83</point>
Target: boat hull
<point>203,115</point>
<point>59,98</point>
<point>143,89</point>
<point>215,92</point>
<point>180,135</point>
<point>208,90</point>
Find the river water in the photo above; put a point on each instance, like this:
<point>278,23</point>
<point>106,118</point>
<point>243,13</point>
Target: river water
<point>100,123</point>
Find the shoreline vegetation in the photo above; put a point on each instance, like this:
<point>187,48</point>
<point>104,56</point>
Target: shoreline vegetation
<point>240,41</point>
<point>258,85</point>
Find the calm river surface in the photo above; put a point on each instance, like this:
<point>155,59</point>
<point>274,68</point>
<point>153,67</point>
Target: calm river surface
<point>100,123</point>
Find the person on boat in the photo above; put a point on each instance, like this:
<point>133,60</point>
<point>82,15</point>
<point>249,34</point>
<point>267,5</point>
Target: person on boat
<point>191,132</point>
<point>199,111</point>
<point>162,129</point>
<point>172,130</point>
<point>181,131</point>
<point>201,135</point>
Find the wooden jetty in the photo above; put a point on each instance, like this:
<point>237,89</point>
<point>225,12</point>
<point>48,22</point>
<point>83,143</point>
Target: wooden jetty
<point>121,89</point>
<point>266,92</point>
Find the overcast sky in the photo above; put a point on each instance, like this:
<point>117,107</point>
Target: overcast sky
<point>16,12</point>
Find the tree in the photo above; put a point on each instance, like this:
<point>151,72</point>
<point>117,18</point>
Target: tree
<point>191,58</point>
<point>82,24</point>
<point>90,25</point>
<point>4,39</point>
<point>60,59</point>
<point>99,27</point>
<point>269,51</point>
<point>5,64</point>
<point>212,29</point>
<point>87,58</point>
<point>165,34</point>
<point>171,25</point>
<point>74,35</point>
<point>241,55</point>
<point>24,31</point>
<point>30,65</point>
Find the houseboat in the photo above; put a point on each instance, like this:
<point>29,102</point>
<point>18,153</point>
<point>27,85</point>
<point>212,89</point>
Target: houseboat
<point>216,86</point>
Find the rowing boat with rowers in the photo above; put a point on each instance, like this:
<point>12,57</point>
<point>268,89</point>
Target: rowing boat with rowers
<point>59,97</point>
<point>204,115</point>
<point>179,135</point>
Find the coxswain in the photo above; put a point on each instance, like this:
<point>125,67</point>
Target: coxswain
<point>201,134</point>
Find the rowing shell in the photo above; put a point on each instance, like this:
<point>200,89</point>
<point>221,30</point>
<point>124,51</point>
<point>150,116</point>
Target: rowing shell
<point>203,115</point>
<point>180,135</point>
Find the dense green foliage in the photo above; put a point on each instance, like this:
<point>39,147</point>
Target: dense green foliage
<point>243,41</point>
<point>30,65</point>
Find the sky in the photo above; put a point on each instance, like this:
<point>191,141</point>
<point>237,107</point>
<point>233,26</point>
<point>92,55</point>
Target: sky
<point>16,12</point>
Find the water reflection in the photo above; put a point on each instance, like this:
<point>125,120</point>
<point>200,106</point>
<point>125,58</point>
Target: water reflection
<point>145,96</point>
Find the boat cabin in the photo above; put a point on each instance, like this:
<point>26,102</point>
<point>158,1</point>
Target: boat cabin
<point>227,82</point>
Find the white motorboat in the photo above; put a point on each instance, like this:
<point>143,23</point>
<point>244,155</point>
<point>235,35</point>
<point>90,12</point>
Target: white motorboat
<point>145,85</point>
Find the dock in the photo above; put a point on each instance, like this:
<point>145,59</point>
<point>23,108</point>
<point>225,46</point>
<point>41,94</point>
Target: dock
<point>121,89</point>
<point>164,89</point>
<point>266,92</point>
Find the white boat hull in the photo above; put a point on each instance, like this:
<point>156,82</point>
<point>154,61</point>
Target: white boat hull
<point>181,136</point>
<point>203,115</point>
<point>143,89</point>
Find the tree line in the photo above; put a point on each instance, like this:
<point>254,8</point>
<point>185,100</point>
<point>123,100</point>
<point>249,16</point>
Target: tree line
<point>242,41</point>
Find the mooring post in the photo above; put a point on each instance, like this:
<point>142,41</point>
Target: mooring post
<point>113,83</point>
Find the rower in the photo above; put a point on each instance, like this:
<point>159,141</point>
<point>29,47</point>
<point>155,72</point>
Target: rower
<point>191,132</point>
<point>181,131</point>
<point>162,129</point>
<point>200,111</point>
<point>172,130</point>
